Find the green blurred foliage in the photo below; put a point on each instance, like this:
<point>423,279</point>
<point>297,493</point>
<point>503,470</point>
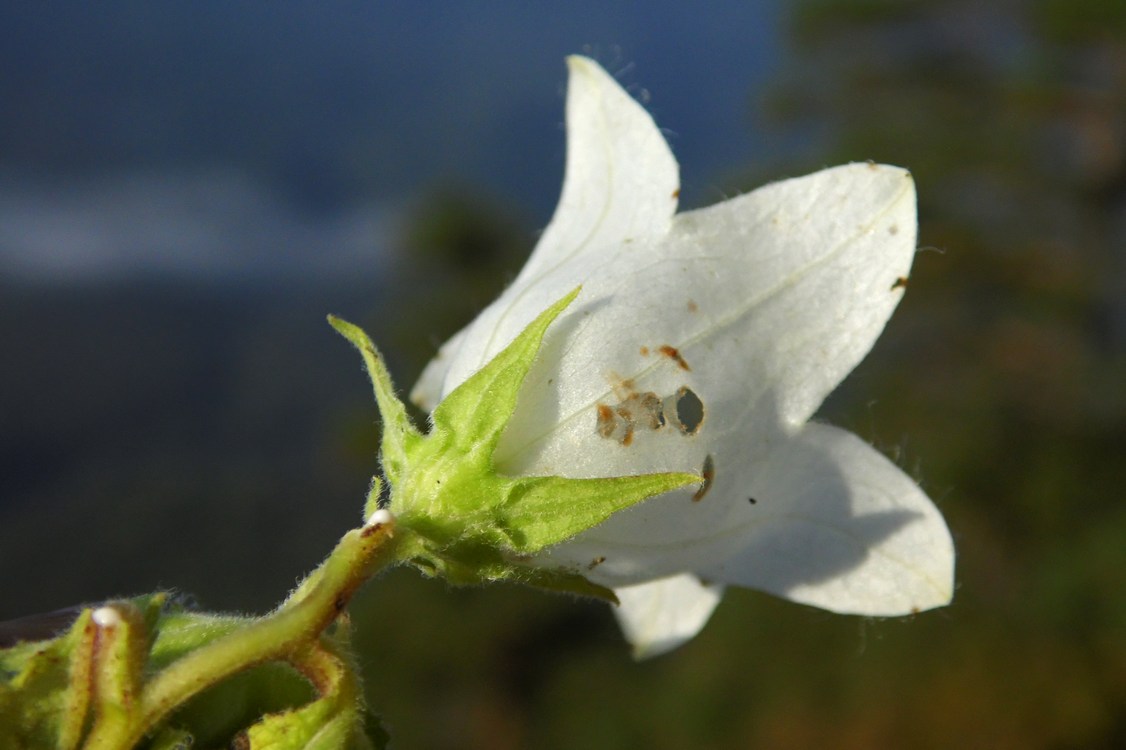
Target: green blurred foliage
<point>1000,383</point>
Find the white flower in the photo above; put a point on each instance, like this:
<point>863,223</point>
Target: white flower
<point>705,341</point>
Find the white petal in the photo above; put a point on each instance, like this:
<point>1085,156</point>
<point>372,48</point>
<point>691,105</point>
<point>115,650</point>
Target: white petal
<point>807,273</point>
<point>621,180</point>
<point>844,529</point>
<point>759,306</point>
<point>768,299</point>
<point>620,187</point>
<point>658,616</point>
<point>771,297</point>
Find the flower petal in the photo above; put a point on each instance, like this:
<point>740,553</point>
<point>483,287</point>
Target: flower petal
<point>758,306</point>
<point>621,181</point>
<point>768,299</point>
<point>620,187</point>
<point>660,615</point>
<point>844,529</point>
<point>817,266</point>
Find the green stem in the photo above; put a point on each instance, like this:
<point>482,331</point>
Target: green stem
<point>277,636</point>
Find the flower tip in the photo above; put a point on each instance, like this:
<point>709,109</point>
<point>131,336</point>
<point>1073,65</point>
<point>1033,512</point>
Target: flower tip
<point>580,63</point>
<point>106,617</point>
<point>379,517</point>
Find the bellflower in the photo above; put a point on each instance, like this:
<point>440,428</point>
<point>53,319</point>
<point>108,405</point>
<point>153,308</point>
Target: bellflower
<point>704,342</point>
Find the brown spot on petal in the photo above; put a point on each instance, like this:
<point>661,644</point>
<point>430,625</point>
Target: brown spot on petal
<point>605,421</point>
<point>596,562</point>
<point>692,306</point>
<point>900,283</point>
<point>622,387</point>
<point>674,354</point>
<point>644,351</point>
<point>643,409</point>
<point>639,412</point>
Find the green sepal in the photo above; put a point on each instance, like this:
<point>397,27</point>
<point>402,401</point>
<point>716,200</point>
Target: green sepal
<point>399,434</point>
<point>473,561</point>
<point>375,495</point>
<point>521,515</point>
<point>475,413</point>
<point>541,511</point>
<point>469,523</point>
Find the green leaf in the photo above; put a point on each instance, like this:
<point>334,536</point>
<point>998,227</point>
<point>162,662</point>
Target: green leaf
<point>467,522</point>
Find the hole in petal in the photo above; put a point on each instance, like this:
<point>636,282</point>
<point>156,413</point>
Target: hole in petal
<point>639,412</point>
<point>685,410</point>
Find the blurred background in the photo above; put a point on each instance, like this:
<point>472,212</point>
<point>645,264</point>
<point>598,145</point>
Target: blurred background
<point>186,189</point>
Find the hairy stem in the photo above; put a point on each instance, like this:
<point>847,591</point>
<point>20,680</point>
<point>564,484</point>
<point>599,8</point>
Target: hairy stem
<point>281,635</point>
